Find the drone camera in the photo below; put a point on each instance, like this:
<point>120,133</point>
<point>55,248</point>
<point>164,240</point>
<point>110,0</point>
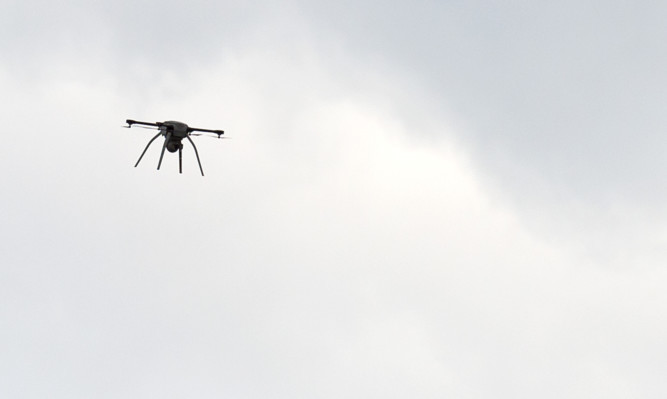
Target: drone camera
<point>173,146</point>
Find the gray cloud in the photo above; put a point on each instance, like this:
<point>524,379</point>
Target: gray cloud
<point>556,102</point>
<point>569,89</point>
<point>335,247</point>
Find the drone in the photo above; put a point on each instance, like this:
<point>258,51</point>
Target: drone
<point>174,132</point>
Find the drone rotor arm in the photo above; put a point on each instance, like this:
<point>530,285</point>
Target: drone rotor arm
<point>131,122</point>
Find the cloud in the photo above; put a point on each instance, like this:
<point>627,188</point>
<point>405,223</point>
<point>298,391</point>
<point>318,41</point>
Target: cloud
<point>556,103</point>
<point>346,241</point>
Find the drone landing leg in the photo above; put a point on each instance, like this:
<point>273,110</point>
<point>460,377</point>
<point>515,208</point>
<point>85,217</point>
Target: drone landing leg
<point>166,140</point>
<point>148,145</point>
<point>180,159</point>
<point>196,153</point>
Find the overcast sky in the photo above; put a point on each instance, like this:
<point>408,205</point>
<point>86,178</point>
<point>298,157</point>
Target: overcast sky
<point>419,200</point>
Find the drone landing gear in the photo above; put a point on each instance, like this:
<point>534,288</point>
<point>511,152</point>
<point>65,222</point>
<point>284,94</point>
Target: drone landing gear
<point>164,146</point>
<point>180,152</point>
<point>145,149</point>
<point>196,153</point>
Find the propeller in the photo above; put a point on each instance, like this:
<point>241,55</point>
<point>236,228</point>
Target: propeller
<point>207,135</point>
<point>143,127</point>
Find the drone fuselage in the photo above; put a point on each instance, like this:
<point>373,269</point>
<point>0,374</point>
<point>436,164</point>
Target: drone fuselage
<point>177,129</point>
<point>175,132</point>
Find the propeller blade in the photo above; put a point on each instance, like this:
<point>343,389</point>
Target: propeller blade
<point>210,137</point>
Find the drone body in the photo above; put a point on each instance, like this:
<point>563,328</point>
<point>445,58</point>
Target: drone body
<point>174,132</point>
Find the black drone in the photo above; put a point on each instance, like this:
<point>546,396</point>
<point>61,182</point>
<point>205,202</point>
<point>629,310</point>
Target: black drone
<point>174,132</point>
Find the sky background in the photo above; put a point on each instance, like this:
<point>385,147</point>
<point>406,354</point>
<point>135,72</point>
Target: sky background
<point>419,200</point>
